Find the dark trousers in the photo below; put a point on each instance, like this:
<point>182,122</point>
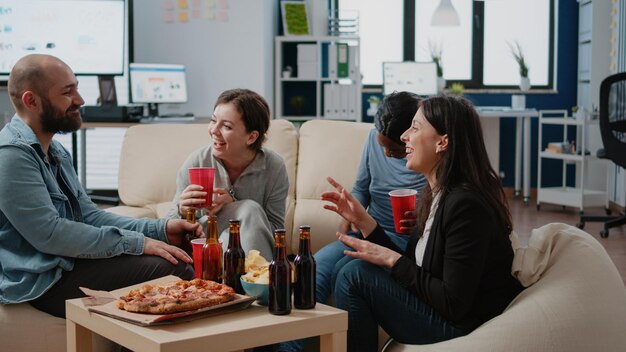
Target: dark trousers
<point>106,275</point>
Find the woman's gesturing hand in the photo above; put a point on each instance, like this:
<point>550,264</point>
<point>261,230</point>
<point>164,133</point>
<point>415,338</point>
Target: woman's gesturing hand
<point>348,208</point>
<point>369,251</point>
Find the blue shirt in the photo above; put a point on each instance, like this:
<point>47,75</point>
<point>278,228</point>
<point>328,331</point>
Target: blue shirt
<point>47,219</point>
<point>379,174</point>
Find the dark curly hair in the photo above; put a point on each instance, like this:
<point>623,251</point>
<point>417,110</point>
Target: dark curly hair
<point>395,114</point>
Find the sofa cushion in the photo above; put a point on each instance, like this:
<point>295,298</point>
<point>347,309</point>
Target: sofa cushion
<point>145,146</point>
<point>326,148</point>
<point>282,137</point>
<point>133,212</point>
<point>24,328</point>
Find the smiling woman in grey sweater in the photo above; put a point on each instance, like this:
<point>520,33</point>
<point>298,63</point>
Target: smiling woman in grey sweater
<point>251,181</point>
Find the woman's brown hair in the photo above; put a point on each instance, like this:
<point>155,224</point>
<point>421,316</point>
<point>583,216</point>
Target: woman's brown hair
<point>254,110</point>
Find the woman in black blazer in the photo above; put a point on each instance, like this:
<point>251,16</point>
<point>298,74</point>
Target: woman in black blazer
<point>455,273</point>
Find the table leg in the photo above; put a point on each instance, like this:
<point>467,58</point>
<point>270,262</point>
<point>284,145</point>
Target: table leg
<point>78,337</point>
<point>83,155</point>
<point>75,151</point>
<point>526,159</point>
<point>336,342</point>
<point>518,155</point>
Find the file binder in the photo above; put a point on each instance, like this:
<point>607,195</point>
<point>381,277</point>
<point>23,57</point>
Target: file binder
<point>353,63</point>
<point>342,60</point>
<point>332,61</point>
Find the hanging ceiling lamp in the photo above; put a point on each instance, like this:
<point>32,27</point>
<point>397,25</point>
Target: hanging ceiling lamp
<point>445,15</point>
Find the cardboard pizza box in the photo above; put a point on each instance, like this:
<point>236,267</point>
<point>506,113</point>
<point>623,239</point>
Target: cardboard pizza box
<point>105,303</point>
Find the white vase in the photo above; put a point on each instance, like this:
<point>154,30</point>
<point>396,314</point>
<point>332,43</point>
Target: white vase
<point>524,84</point>
<point>441,84</point>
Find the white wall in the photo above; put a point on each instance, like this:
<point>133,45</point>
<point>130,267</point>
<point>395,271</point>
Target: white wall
<point>218,54</point>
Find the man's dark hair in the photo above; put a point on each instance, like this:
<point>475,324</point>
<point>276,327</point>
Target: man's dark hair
<point>395,114</point>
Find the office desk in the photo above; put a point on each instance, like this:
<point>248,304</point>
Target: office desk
<point>522,143</point>
<point>87,125</point>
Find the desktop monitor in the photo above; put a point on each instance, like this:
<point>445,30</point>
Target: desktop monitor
<point>155,84</point>
<point>415,77</point>
<point>88,35</point>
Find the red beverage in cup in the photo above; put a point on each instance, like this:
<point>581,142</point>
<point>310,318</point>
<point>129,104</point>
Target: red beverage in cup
<point>204,177</point>
<point>196,246</point>
<point>402,200</point>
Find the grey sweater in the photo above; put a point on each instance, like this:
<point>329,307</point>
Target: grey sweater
<point>264,181</point>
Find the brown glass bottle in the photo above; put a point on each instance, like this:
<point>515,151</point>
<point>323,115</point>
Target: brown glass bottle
<point>186,243</point>
<point>234,258</point>
<point>304,266</point>
<point>280,277</point>
<point>212,253</point>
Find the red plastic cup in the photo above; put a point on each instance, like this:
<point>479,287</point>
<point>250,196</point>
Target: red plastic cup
<point>402,200</point>
<point>196,245</point>
<point>204,177</point>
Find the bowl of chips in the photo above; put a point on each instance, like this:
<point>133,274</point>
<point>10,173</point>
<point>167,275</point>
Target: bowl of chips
<point>256,280</point>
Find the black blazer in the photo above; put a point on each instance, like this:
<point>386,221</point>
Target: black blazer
<point>466,271</point>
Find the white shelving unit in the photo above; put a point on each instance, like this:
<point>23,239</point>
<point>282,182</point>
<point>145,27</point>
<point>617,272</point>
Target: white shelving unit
<point>314,90</point>
<point>580,195</point>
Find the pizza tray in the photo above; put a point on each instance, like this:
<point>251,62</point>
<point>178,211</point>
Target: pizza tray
<point>105,303</point>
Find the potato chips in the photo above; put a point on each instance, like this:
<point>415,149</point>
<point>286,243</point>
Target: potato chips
<point>257,268</point>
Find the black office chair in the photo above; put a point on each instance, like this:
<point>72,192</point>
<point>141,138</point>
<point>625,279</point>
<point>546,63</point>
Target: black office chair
<point>613,131</point>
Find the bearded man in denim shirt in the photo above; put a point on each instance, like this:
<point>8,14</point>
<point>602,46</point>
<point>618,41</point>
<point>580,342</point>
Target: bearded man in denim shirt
<point>53,238</point>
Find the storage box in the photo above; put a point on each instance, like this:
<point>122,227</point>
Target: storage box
<point>307,70</point>
<point>307,52</point>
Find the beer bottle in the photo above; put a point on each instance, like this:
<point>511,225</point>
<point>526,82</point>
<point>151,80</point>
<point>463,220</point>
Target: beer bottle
<point>212,253</point>
<point>304,266</point>
<point>234,258</point>
<point>186,244</point>
<point>280,277</point>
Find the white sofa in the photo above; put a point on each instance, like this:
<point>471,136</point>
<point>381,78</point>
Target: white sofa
<point>561,303</point>
<point>577,301</point>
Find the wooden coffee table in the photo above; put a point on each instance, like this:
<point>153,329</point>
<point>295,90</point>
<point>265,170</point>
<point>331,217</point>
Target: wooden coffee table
<point>251,327</point>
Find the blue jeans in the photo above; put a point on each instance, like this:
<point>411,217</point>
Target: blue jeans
<point>373,298</point>
<point>329,261</point>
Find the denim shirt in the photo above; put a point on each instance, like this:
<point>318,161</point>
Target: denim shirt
<point>41,231</point>
<point>377,175</point>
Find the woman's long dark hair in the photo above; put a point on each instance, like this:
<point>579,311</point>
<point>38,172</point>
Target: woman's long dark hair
<point>465,162</point>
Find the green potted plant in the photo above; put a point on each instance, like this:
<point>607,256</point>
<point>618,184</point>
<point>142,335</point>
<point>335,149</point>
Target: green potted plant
<point>435,55</point>
<point>297,103</point>
<point>457,88</point>
<point>518,55</point>
<point>374,100</point>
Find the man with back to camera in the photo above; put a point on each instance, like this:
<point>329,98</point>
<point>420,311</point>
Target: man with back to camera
<point>53,238</point>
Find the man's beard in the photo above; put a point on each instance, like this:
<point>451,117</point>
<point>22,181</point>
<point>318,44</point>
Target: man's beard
<point>57,121</point>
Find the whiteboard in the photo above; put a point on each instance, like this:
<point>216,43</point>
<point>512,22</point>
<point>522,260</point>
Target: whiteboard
<point>415,77</point>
